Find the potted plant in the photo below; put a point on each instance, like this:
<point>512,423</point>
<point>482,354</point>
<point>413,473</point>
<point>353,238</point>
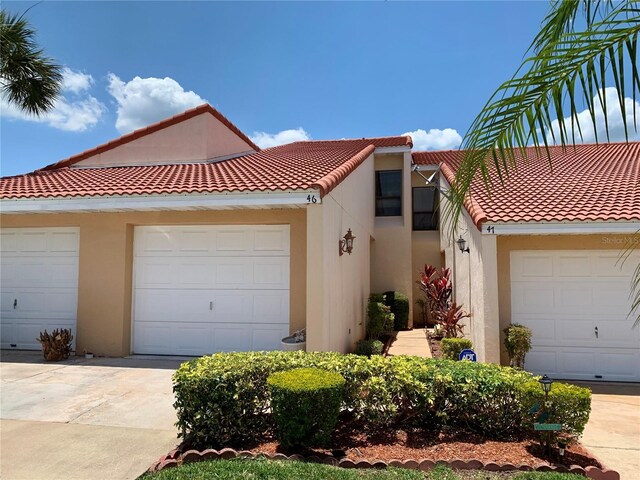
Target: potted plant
<point>296,341</point>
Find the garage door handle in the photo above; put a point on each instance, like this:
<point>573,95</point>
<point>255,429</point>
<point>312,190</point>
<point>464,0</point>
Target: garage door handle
<point>15,303</point>
<point>210,305</point>
<point>596,332</point>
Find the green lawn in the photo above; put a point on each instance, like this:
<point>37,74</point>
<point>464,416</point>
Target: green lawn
<point>261,469</point>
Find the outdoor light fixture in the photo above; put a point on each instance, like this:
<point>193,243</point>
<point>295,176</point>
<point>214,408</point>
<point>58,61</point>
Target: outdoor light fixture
<point>546,383</point>
<point>346,244</point>
<point>462,245</point>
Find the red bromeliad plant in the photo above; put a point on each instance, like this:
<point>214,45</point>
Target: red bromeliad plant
<point>450,319</point>
<point>436,286</point>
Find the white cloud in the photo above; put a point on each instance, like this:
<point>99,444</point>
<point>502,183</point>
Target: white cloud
<point>75,82</point>
<point>614,116</point>
<point>267,140</point>
<point>76,112</point>
<point>143,101</point>
<point>435,139</point>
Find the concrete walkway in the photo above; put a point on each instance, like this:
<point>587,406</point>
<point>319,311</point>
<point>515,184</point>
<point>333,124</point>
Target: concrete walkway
<point>101,418</point>
<point>411,342</point>
<point>613,431</point>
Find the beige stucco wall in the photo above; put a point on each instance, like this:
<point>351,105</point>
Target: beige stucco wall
<point>425,249</point>
<point>106,253</point>
<point>199,138</point>
<point>507,244</point>
<point>338,286</point>
<point>475,282</point>
<point>391,256</point>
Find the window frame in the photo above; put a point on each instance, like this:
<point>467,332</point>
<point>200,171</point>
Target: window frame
<point>434,226</point>
<point>398,171</point>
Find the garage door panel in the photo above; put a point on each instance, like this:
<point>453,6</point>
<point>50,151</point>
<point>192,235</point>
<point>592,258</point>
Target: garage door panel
<point>573,266</point>
<point>541,360</point>
<point>623,365</point>
<point>202,289</point>
<point>265,337</point>
<point>178,306</point>
<point>575,331</point>
<point>221,241</point>
<point>39,289</point>
<point>243,273</point>
<point>270,240</point>
<point>589,290</point>
<point>534,266</point>
<point>529,296</point>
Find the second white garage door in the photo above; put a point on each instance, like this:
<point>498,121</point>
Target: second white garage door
<point>206,289</point>
<point>577,304</point>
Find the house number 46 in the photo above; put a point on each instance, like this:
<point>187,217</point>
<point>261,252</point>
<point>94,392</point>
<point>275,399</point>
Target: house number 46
<point>312,199</point>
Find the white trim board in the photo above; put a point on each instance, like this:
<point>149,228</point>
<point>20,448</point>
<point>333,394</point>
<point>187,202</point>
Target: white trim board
<point>216,201</point>
<point>567,228</point>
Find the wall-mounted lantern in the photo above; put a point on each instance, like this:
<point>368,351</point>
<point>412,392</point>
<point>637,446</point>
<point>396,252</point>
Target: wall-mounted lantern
<point>346,244</point>
<point>462,245</point>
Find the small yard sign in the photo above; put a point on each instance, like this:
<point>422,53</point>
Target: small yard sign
<point>550,427</point>
<point>467,354</point>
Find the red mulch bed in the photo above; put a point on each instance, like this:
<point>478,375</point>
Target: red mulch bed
<point>352,442</point>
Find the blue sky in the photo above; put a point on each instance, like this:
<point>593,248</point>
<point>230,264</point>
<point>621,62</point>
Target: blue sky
<point>317,70</point>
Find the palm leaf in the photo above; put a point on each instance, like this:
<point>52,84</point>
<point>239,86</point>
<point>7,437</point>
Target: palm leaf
<point>28,78</point>
<point>565,68</point>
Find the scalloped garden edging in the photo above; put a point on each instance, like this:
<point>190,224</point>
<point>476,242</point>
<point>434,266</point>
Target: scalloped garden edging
<point>176,458</point>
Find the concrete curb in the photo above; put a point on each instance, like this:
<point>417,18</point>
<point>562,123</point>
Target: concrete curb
<point>175,458</point>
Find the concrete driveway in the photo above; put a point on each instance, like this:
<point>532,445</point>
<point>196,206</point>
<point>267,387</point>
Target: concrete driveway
<point>613,431</point>
<point>107,418</point>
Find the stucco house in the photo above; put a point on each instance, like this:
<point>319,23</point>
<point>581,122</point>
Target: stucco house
<point>185,238</point>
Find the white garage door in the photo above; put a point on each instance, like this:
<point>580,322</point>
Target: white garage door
<point>205,289</point>
<point>577,304</point>
<point>39,283</point>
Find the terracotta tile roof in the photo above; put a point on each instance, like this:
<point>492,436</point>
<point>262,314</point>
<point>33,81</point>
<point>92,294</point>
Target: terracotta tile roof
<point>587,183</point>
<point>296,166</point>
<point>141,132</point>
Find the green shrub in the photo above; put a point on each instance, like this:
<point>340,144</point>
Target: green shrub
<point>399,305</point>
<point>369,347</point>
<point>380,319</point>
<point>517,341</point>
<point>306,404</point>
<point>451,347</point>
<point>568,404</point>
<point>222,400</point>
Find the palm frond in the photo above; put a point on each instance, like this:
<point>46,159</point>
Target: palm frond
<point>28,78</point>
<point>539,105</point>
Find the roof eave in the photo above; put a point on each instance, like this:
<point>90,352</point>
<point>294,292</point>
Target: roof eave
<point>179,202</point>
<point>575,227</point>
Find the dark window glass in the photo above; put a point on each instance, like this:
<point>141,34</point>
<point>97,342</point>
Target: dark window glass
<point>388,193</point>
<point>425,205</point>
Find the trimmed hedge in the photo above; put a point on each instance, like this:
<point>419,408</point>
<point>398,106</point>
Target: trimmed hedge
<point>369,347</point>
<point>451,347</point>
<point>399,305</point>
<point>379,319</point>
<point>222,400</point>
<point>306,404</point>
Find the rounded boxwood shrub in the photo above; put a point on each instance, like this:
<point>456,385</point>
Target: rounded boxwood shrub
<point>451,347</point>
<point>306,404</point>
<point>369,347</point>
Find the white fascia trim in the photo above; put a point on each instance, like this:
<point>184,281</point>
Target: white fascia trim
<point>567,228</point>
<point>160,202</point>
<point>402,149</point>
